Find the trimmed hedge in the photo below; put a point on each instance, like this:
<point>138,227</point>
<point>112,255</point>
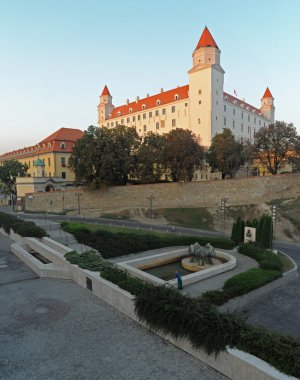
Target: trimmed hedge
<point>166,310</point>
<point>113,244</point>
<point>19,226</point>
<point>240,284</point>
<point>265,258</point>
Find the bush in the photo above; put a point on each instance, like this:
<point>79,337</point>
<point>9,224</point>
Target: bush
<point>113,244</point>
<point>19,226</point>
<point>88,260</point>
<point>265,258</point>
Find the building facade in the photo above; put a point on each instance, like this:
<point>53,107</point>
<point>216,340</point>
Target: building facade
<point>201,106</point>
<point>47,160</point>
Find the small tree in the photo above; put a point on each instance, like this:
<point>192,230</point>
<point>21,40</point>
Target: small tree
<point>266,234</point>
<point>237,234</point>
<point>9,171</point>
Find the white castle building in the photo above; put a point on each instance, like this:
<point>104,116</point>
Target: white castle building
<point>201,106</point>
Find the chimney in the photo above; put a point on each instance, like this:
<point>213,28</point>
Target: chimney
<point>161,90</point>
<point>127,102</point>
<point>147,95</point>
<point>137,99</point>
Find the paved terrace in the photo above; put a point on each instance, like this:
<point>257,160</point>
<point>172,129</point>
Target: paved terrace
<point>54,329</point>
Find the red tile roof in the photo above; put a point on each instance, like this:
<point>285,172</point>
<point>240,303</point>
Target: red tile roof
<point>242,104</point>
<point>105,91</point>
<point>267,94</point>
<point>151,101</point>
<point>206,40</point>
<point>51,143</point>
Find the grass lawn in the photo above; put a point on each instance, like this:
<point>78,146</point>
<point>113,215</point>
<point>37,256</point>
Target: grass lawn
<point>197,217</point>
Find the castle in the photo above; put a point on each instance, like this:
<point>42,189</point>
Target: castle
<point>202,106</point>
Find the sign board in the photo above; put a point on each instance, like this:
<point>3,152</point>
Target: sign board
<point>249,235</point>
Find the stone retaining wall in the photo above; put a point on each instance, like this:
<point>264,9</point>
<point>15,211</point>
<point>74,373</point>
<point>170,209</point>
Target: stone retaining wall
<point>168,195</point>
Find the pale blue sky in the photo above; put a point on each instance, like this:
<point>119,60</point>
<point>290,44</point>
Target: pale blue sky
<point>56,56</point>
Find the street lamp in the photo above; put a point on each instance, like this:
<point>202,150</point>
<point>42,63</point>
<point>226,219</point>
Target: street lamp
<point>151,198</point>
<point>223,215</point>
<point>78,195</point>
<point>273,224</point>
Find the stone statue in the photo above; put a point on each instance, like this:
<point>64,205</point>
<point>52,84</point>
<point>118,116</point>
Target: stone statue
<point>200,253</point>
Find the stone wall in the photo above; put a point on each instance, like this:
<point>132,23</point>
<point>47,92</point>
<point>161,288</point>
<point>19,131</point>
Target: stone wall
<point>168,195</point>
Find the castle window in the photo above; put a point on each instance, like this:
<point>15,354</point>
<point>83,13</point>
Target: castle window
<point>162,124</point>
<point>49,145</point>
<point>233,124</point>
<point>248,129</point>
<point>133,118</point>
<point>130,110</point>
<point>145,128</point>
<point>199,102</point>
<point>150,114</point>
<point>255,120</point>
<point>199,92</point>
<point>158,102</point>
<point>224,121</point>
<point>49,161</point>
<point>112,123</point>
<point>62,145</point>
<point>233,110</point>
<point>225,107</point>
<point>119,113</point>
<point>144,106</point>
<point>109,115</point>
<point>199,121</point>
<point>248,117</point>
<point>144,116</point>
<point>128,120</point>
<point>157,125</point>
<point>173,109</point>
<point>63,161</point>
<point>173,122</point>
<point>242,127</point>
<point>242,115</point>
<point>139,117</point>
<point>176,97</point>
<point>156,112</point>
<point>163,111</point>
<point>185,104</point>
<point>122,121</point>
<point>63,175</point>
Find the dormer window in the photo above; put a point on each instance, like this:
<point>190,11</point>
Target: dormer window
<point>130,110</point>
<point>234,102</point>
<point>109,115</point>
<point>119,113</point>
<point>226,98</point>
<point>62,145</point>
<point>158,102</point>
<point>144,106</point>
<point>49,145</point>
<point>176,97</point>
<point>44,146</point>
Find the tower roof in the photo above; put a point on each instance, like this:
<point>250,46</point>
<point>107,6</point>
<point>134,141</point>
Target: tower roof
<point>38,162</point>
<point>206,40</point>
<point>267,94</point>
<point>105,91</point>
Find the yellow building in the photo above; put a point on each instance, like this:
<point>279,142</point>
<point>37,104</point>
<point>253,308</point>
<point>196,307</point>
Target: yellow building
<point>47,161</point>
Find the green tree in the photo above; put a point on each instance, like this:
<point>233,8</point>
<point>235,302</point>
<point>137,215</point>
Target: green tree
<point>266,234</point>
<point>275,144</point>
<point>9,171</point>
<point>225,154</point>
<point>183,154</point>
<point>150,158</point>
<point>104,156</point>
<point>259,228</point>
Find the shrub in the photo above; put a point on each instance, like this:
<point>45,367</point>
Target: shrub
<point>19,226</point>
<point>265,258</point>
<point>88,260</point>
<point>113,244</point>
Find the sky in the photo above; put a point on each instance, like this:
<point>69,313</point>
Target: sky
<point>57,55</point>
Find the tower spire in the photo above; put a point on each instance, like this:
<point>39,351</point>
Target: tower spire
<point>105,91</point>
<point>206,40</point>
<point>267,94</point>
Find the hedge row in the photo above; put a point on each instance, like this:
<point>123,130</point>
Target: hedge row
<point>240,284</point>
<point>166,310</point>
<point>19,226</point>
<point>266,258</point>
<point>113,244</point>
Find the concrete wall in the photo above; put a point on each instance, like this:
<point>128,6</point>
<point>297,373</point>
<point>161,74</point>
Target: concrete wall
<point>182,194</point>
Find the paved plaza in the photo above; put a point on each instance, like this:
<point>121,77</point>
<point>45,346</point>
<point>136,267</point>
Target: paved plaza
<point>54,329</point>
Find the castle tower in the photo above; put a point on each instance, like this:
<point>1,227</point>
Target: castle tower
<point>267,106</point>
<point>105,106</point>
<point>206,80</point>
<point>39,168</point>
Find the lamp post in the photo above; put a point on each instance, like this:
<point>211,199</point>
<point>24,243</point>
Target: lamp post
<point>273,224</point>
<point>223,215</point>
<point>151,198</point>
<point>78,195</point>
